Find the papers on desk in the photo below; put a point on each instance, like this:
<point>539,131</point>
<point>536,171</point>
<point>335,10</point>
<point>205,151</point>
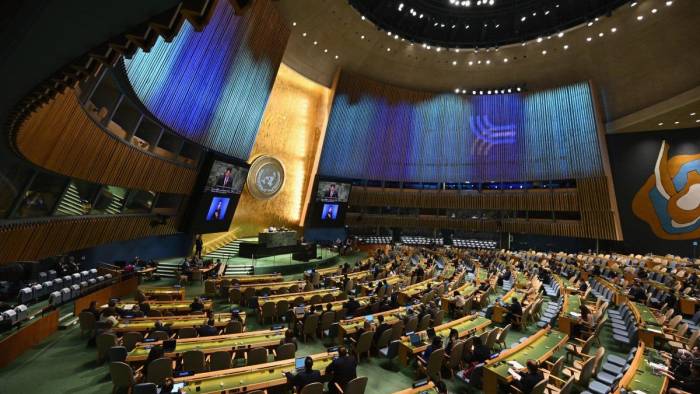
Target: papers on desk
<point>575,314</point>
<point>656,330</point>
<point>515,364</point>
<point>514,374</point>
<point>639,392</point>
<point>658,367</point>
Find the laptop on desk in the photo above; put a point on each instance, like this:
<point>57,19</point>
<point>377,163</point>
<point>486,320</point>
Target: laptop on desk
<point>415,340</point>
<point>299,364</point>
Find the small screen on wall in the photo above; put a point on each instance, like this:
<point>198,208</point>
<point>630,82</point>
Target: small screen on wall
<point>226,178</point>
<point>333,191</point>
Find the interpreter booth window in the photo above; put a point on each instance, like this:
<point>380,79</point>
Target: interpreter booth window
<point>110,201</point>
<point>139,201</point>
<point>13,179</point>
<point>41,196</point>
<point>78,198</point>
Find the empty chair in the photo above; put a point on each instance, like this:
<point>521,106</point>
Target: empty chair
<point>282,309</point>
<point>310,325</point>
<point>187,332</point>
<point>355,386</point>
<point>412,324</point>
<point>327,320</point>
<point>104,342</point>
<point>363,344</point>
<point>285,351</point>
<point>122,376</point>
<point>268,312</point>
<point>501,338</point>
<point>234,327</point>
<point>424,323</point>
<point>193,360</point>
<point>383,340</point>
<point>158,335</point>
<point>312,388</point>
<point>256,356</point>
<point>87,322</point>
<point>159,370</point>
<point>130,339</point>
<point>454,361</point>
<point>220,360</point>
<point>117,353</point>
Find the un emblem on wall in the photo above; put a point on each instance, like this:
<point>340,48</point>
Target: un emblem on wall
<point>265,178</point>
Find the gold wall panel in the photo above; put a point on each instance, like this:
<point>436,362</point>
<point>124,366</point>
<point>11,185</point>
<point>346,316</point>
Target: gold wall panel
<point>291,130</point>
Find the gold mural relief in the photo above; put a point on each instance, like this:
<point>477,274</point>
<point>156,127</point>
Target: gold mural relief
<point>291,129</point>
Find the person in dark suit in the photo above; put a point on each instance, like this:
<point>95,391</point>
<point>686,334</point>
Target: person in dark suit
<point>530,378</point>
<point>352,306</point>
<point>331,193</point>
<point>435,345</point>
<point>225,180</point>
<point>307,376</point>
<point>381,328</point>
<point>197,305</point>
<point>208,330</point>
<point>514,309</point>
<point>198,246</point>
<point>341,370</point>
<point>480,353</point>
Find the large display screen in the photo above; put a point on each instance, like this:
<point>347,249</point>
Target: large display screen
<point>221,184</point>
<point>332,191</point>
<point>226,178</point>
<point>329,212</point>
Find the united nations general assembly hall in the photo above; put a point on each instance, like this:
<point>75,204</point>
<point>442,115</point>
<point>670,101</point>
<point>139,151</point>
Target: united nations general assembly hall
<point>350,196</point>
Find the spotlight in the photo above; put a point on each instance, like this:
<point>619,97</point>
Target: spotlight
<point>456,91</point>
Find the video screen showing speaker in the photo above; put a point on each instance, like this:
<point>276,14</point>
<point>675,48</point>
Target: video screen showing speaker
<point>226,178</point>
<point>329,214</point>
<point>328,191</point>
<point>221,183</point>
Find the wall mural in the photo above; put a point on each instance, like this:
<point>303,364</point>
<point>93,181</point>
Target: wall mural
<point>669,201</point>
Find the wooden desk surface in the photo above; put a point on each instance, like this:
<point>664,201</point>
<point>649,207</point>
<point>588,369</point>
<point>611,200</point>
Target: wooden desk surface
<point>539,346</point>
<point>250,378</point>
<point>426,388</point>
<point>144,324</point>
<point>244,340</point>
<point>640,375</point>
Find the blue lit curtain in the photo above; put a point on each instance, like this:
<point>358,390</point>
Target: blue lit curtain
<point>212,86</point>
<point>381,132</point>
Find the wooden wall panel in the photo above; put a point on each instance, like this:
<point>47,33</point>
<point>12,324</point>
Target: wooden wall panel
<point>536,200</point>
<point>33,241</point>
<point>30,335</point>
<point>102,296</point>
<point>589,199</point>
<point>62,138</point>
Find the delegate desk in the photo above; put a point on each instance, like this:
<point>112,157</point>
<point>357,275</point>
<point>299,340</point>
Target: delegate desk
<point>228,342</point>
<point>499,311</point>
<point>323,272</point>
<point>245,279</point>
<point>648,325</point>
<point>428,388</point>
<point>306,295</point>
<point>570,313</point>
<point>273,287</point>
<point>355,276</point>
<point>539,346</point>
<point>145,324</point>
<point>350,326</point>
<point>175,293</point>
<point>641,376</point>
<point>688,305</point>
<point>466,290</point>
<point>465,326</point>
<point>250,378</point>
<point>369,287</point>
<point>162,306</point>
<point>413,290</point>
<point>336,306</point>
